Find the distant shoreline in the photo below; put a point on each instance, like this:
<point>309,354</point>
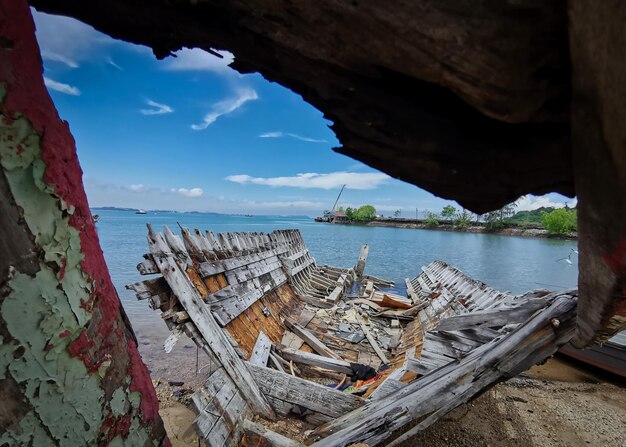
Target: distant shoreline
<point>531,231</point>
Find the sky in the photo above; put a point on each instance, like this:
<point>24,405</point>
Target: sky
<point>188,133</point>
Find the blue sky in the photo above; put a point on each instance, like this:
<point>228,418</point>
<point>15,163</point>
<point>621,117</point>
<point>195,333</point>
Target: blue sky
<point>191,134</point>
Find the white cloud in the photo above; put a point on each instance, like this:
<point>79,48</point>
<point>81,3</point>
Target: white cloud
<point>193,192</point>
<point>199,60</point>
<point>138,188</point>
<point>226,106</point>
<point>530,202</point>
<point>158,109</point>
<point>61,87</point>
<point>279,134</point>
<point>352,180</point>
<point>66,40</point>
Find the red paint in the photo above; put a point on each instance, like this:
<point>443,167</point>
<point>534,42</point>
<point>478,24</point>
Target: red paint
<point>114,426</point>
<point>63,266</point>
<point>64,334</point>
<point>617,259</point>
<point>141,382</point>
<point>106,336</point>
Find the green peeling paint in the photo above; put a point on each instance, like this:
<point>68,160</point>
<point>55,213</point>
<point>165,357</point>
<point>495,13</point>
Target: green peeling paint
<point>67,402</point>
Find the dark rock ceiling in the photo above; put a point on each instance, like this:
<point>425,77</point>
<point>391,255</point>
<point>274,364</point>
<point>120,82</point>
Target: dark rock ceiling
<point>467,99</point>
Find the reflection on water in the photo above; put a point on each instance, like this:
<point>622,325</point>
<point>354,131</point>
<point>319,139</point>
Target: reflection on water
<point>506,263</point>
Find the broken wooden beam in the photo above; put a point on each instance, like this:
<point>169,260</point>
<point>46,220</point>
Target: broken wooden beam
<point>294,390</point>
<point>455,383</point>
<point>372,340</point>
<point>308,358</point>
<point>261,351</point>
<point>360,265</point>
<point>311,339</point>
<point>259,436</point>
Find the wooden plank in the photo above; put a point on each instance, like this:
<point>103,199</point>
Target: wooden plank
<point>305,317</point>
<point>315,397</point>
<point>388,386</point>
<point>261,351</point>
<point>311,339</point>
<point>492,318</point>
<point>149,287</point>
<point>456,382</point>
<point>147,266</point>
<point>372,340</point>
<point>315,360</point>
<point>207,326</point>
<point>259,436</point>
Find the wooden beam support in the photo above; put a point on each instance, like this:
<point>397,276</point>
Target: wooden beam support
<point>206,324</point>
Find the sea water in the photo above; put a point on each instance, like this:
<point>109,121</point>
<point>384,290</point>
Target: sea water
<point>515,264</point>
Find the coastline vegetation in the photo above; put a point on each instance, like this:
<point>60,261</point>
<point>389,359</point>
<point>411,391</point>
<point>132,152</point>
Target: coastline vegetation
<point>556,221</point>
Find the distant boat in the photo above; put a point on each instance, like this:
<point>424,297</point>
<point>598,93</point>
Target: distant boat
<point>141,212</point>
<point>248,215</point>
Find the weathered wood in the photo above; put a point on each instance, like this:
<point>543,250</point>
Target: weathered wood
<point>311,340</point>
<point>492,318</point>
<point>533,341</point>
<point>372,340</point>
<point>319,398</point>
<point>360,265</point>
<point>259,436</point>
<point>308,358</point>
<point>208,327</point>
<point>261,351</point>
<point>149,287</point>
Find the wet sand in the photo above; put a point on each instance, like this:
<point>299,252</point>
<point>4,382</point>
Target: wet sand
<point>560,403</point>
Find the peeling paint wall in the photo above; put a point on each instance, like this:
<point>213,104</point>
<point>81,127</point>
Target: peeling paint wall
<point>70,372</point>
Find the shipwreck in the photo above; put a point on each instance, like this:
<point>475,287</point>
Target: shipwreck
<point>331,346</point>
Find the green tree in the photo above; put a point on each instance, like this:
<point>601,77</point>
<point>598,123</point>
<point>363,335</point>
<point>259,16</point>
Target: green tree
<point>498,218</point>
<point>365,213</point>
<point>341,210</point>
<point>432,219</point>
<point>560,221</point>
<point>350,213</point>
<point>463,219</point>
<point>448,212</point>
<point>397,213</point>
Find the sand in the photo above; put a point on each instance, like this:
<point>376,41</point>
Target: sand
<point>560,403</point>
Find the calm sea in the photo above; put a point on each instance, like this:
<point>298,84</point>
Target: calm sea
<point>506,263</point>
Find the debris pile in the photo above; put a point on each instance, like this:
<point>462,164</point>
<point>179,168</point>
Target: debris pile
<point>331,347</point>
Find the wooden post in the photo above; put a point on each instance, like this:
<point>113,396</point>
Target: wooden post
<point>360,265</point>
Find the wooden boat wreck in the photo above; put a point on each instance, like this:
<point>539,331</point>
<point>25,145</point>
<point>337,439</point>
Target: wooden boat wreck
<point>285,334</point>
